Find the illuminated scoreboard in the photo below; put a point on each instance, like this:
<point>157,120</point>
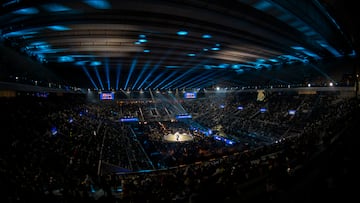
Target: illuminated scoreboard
<point>107,96</point>
<point>190,95</point>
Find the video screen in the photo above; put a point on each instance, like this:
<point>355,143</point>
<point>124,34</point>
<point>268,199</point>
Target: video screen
<point>107,96</point>
<point>190,95</point>
<point>183,116</point>
<point>129,119</point>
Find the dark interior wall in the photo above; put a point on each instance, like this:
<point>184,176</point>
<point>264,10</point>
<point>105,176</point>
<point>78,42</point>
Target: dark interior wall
<point>13,63</point>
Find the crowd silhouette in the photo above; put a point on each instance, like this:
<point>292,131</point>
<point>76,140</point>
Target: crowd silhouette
<point>63,148</point>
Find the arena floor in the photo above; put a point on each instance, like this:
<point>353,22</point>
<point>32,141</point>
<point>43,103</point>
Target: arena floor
<point>178,137</point>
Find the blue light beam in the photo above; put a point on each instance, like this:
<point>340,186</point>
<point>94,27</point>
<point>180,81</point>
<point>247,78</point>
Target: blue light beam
<point>167,78</point>
<point>133,65</point>
<point>118,73</point>
<point>89,76</point>
<point>140,75</point>
<point>98,77</point>
<point>156,66</point>
<point>107,73</point>
<point>157,78</point>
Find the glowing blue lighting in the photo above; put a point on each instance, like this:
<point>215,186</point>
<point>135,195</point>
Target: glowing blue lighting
<point>182,75</point>
<point>98,77</point>
<point>206,36</point>
<point>352,54</point>
<point>132,68</point>
<point>311,54</point>
<point>235,66</point>
<point>330,48</point>
<point>45,50</point>
<point>298,48</point>
<point>41,57</point>
<point>98,4</point>
<point>9,3</point>
<point>172,67</point>
<point>107,73</point>
<point>182,32</point>
<point>156,66</point>
<point>191,54</point>
<point>54,130</point>
<point>207,67</point>
<point>274,60</point>
<point>63,59</point>
<point>156,79</point>
<point>80,63</point>
<point>205,49</point>
<point>191,82</point>
<point>262,65</point>
<point>58,28</point>
<point>54,7</point>
<point>304,28</point>
<point>141,74</point>
<point>133,119</point>
<point>165,79</point>
<point>215,48</point>
<point>26,11</point>
<point>142,36</point>
<point>240,107</point>
<point>262,110</point>
<point>239,71</point>
<point>19,33</point>
<point>95,63</point>
<point>146,50</point>
<point>262,5</point>
<point>43,46</point>
<point>118,73</point>
<point>229,142</point>
<point>183,116</point>
<point>27,37</point>
<point>142,40</point>
<point>137,42</point>
<point>224,65</point>
<point>37,43</point>
<point>92,189</point>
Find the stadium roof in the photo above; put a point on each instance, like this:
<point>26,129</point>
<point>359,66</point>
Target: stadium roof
<point>139,44</point>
